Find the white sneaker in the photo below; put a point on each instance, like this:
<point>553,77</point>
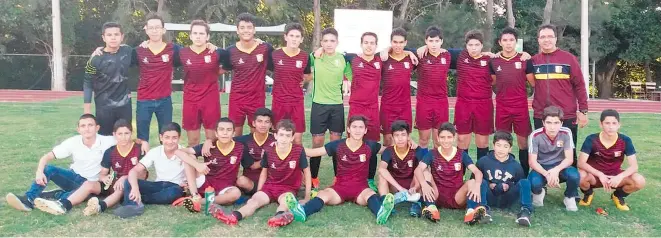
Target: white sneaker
<point>538,199</point>
<point>413,197</point>
<point>52,207</point>
<point>570,204</point>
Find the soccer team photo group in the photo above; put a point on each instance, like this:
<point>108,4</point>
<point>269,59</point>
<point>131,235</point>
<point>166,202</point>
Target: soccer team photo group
<point>412,154</point>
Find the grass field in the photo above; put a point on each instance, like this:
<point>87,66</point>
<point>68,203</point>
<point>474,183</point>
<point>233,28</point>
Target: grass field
<point>30,130</point>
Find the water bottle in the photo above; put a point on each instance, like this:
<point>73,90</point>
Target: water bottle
<point>209,196</point>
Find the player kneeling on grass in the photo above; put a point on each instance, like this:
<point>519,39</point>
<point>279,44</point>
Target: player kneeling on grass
<point>169,176</point>
<point>281,174</point>
<point>218,171</point>
<point>506,178</point>
<point>551,156</point>
<point>447,188</point>
<point>352,155</point>
<point>397,165</point>
<point>601,159</point>
<point>121,159</point>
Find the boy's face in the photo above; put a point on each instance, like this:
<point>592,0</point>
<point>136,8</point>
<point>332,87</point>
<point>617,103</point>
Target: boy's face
<point>224,132</point>
<point>170,140</point>
<point>122,136</point>
<point>398,43</point>
<point>87,127</point>
<point>262,124</point>
<point>154,29</point>
<point>401,138</point>
<point>329,43</point>
<point>446,139</point>
<point>199,36</point>
<point>502,148</point>
<point>246,30</point>
<point>357,130</point>
<point>552,125</point>
<point>284,137</point>
<point>474,47</point>
<point>610,126</point>
<point>113,37</point>
<point>434,44</point>
<point>508,42</point>
<point>369,45</point>
<point>294,38</point>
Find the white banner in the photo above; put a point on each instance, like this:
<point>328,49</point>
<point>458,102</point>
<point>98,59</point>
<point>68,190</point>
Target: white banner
<point>351,24</point>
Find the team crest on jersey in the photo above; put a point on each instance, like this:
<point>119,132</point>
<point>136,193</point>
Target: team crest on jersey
<point>406,65</point>
<point>134,160</point>
<point>363,158</point>
<point>483,63</point>
<point>280,62</point>
<point>241,61</point>
<point>517,65</point>
<point>457,166</point>
<point>117,165</point>
<point>145,60</point>
<point>207,59</point>
<point>410,163</point>
<point>233,160</point>
<point>617,153</point>
<point>292,164</point>
<point>390,67</point>
<point>188,62</point>
<point>377,65</point>
<point>560,143</point>
<point>299,64</point>
<point>260,57</point>
<point>499,68</point>
<point>361,65</point>
<point>165,58</point>
<point>558,69</point>
<point>344,158</point>
<point>443,61</point>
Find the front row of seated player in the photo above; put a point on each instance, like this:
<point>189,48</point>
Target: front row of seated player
<point>426,179</point>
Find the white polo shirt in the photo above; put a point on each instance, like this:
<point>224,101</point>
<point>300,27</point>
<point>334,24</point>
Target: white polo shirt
<point>86,160</point>
<point>167,169</point>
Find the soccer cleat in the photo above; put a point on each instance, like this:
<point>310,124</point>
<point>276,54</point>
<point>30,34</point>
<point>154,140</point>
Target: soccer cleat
<point>523,218</point>
<point>372,185</point>
<point>20,203</point>
<point>315,183</point>
<point>586,200</point>
<point>431,212</point>
<point>179,202</point>
<point>487,218</point>
<point>401,196</point>
<point>295,207</point>
<point>93,207</point>
<point>570,204</point>
<point>620,204</point>
<point>225,217</point>
<point>193,205</point>
<point>48,206</point>
<point>415,210</point>
<point>129,211</point>
<point>538,199</point>
<point>281,219</point>
<point>313,193</point>
<point>52,194</point>
<point>386,208</point>
<point>473,216</point>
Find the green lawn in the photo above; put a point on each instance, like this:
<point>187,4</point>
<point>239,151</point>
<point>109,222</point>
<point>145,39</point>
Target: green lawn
<point>30,130</point>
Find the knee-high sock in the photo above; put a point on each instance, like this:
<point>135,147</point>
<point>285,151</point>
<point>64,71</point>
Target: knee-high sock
<point>315,162</point>
<point>523,158</point>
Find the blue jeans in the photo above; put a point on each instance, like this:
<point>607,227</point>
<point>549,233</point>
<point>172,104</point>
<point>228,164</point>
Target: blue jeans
<point>517,193</point>
<point>153,192</point>
<point>145,108</point>
<point>569,175</point>
<point>66,179</point>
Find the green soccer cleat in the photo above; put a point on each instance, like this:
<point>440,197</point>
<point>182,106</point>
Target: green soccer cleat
<point>386,209</point>
<point>295,207</point>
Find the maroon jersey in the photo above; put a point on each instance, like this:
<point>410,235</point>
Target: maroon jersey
<point>511,80</point>
<point>285,172</point>
<point>397,81</point>
<point>255,150</point>
<point>288,74</point>
<point>473,77</point>
<point>200,73</point>
<point>248,72</point>
<point>402,165</point>
<point>448,172</point>
<point>366,80</point>
<point>433,77</point>
<point>352,166</point>
<point>156,71</point>
<point>225,167</point>
<point>121,161</point>
<point>607,158</point>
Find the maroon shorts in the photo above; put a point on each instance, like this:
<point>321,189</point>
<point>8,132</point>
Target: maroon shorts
<point>239,111</point>
<point>474,117</point>
<point>252,174</point>
<point>349,191</point>
<point>274,191</point>
<point>390,113</point>
<point>406,183</point>
<point>204,112</point>
<point>446,198</point>
<point>372,114</point>
<point>513,117</point>
<point>218,186</point>
<point>292,111</point>
<point>431,114</point>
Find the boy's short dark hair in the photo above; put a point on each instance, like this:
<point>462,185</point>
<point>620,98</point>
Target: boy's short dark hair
<point>432,32</point>
<point>265,112</point>
<point>609,113</point>
<point>200,23</point>
<point>286,125</point>
<point>501,135</point>
<point>400,125</point>
<point>154,16</point>
<point>122,123</point>
<point>294,26</point>
<point>398,32</point>
<point>111,25</point>
<point>447,126</point>
<point>225,119</point>
<point>550,27</point>
<point>509,31</point>
<point>88,116</point>
<point>376,38</point>
<point>172,126</point>
<point>355,118</point>
<point>245,17</point>
<point>552,111</point>
<point>474,35</point>
<point>329,30</point>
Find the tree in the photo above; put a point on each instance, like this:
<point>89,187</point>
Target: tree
<point>316,38</point>
<point>511,21</point>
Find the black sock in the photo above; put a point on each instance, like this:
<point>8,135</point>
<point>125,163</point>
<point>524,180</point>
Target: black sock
<point>279,212</point>
<point>313,206</point>
<point>619,192</point>
<point>587,192</point>
<point>374,203</point>
<point>238,215</point>
<point>334,166</point>
<point>382,197</point>
<point>103,205</point>
<point>373,164</point>
<point>66,204</point>
<point>481,152</point>
<point>426,203</point>
<point>523,158</point>
<point>315,162</point>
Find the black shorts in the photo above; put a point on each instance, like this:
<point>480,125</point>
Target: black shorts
<point>326,117</point>
<point>107,116</point>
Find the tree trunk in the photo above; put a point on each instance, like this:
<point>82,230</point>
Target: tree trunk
<point>648,72</point>
<point>511,21</point>
<point>489,27</point>
<point>605,72</point>
<point>402,12</point>
<point>316,37</point>
<point>161,5</point>
<point>548,9</point>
